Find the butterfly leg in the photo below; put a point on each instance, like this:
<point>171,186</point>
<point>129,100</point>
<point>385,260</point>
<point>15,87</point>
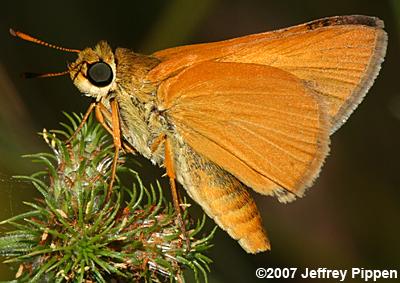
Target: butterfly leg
<point>116,134</point>
<point>100,113</point>
<point>103,114</point>
<point>83,121</point>
<point>169,165</point>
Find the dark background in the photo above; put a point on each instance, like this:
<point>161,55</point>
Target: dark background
<point>350,218</point>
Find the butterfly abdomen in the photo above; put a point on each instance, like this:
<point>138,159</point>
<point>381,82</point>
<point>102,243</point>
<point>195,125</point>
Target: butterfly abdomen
<point>223,197</point>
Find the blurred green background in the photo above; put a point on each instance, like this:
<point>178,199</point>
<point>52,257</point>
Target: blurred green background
<point>350,218</point>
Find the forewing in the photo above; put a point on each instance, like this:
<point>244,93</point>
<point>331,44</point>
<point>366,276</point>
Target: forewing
<point>338,57</point>
<point>261,124</point>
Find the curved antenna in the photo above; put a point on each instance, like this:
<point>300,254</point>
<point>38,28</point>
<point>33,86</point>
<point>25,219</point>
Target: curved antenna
<point>27,37</point>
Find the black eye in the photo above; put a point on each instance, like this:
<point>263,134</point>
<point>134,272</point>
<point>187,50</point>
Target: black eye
<point>100,74</point>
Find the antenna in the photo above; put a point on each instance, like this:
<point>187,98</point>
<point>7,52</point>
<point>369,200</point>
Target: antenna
<point>27,37</point>
<point>28,75</point>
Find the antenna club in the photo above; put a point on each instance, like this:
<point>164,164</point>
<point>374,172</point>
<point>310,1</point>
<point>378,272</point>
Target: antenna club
<point>12,32</point>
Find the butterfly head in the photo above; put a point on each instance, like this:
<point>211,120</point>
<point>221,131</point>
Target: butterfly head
<point>94,72</point>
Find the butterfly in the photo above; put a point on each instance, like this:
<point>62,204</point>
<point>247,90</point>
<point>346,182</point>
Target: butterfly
<point>253,112</point>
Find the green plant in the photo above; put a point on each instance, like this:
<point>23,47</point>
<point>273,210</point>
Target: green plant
<point>74,234</point>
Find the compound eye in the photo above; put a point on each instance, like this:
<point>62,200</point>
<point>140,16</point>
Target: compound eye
<point>100,74</point>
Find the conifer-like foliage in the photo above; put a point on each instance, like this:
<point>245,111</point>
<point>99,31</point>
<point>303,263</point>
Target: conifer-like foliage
<point>74,234</point>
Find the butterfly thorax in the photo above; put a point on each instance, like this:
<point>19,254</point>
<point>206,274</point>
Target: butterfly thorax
<point>141,121</point>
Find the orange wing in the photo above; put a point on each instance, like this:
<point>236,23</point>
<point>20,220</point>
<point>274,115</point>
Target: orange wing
<point>261,124</point>
<point>338,57</point>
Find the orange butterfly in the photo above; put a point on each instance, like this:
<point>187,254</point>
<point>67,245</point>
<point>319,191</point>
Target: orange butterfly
<point>251,112</point>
